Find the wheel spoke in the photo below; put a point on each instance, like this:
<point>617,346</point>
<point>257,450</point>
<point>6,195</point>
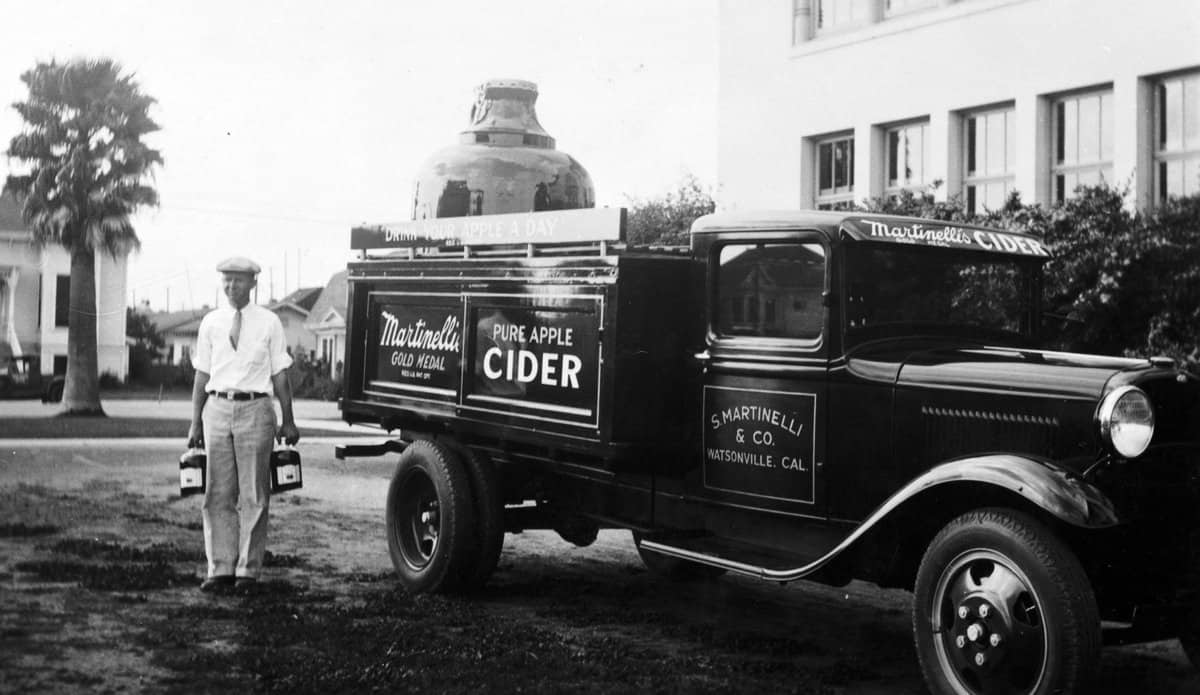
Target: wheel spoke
<point>961,586</point>
<point>1005,586</point>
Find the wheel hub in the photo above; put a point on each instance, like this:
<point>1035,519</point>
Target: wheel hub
<point>420,521</point>
<point>991,634</point>
<point>979,631</point>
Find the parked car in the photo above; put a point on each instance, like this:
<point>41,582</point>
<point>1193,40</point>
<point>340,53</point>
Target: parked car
<point>21,377</point>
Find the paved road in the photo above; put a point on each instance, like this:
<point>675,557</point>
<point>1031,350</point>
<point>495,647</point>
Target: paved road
<point>309,413</point>
<point>151,467</point>
<point>149,407</point>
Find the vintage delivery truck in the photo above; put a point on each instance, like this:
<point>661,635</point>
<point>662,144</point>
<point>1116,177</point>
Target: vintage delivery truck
<point>792,395</point>
<point>798,395</point>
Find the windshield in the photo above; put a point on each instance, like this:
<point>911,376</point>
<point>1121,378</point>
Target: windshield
<point>895,291</point>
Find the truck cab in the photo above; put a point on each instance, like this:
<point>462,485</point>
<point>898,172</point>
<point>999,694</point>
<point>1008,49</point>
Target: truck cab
<point>796,395</point>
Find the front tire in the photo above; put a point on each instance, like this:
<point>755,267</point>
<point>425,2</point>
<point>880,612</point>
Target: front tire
<point>430,519</point>
<point>1001,605</point>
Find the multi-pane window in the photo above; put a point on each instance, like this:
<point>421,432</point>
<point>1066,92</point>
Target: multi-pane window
<point>771,290</point>
<point>892,8</point>
<point>840,14</point>
<point>835,173</point>
<point>907,158</point>
<point>990,153</point>
<point>1083,142</point>
<point>1177,136</point>
<point>62,300</point>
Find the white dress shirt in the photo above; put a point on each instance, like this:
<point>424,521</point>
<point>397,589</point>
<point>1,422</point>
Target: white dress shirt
<point>261,351</point>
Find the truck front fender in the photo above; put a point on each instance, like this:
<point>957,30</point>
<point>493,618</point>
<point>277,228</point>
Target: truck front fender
<point>1051,487</point>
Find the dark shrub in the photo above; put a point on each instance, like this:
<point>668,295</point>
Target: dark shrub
<point>1120,282</point>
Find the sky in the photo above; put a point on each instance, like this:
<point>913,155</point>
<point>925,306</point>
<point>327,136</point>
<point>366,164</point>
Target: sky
<point>285,123</point>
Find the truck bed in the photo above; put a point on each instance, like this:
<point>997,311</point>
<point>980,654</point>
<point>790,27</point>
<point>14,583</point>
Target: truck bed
<point>585,353</point>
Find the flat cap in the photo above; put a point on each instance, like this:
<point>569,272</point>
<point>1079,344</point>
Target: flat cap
<point>238,264</point>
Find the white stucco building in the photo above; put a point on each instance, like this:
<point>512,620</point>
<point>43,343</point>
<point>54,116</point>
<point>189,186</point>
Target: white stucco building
<point>822,102</point>
<point>34,300</point>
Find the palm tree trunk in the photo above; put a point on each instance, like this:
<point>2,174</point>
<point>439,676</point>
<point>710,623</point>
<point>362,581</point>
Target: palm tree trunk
<point>81,392</point>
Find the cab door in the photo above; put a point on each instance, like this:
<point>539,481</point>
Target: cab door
<point>764,384</point>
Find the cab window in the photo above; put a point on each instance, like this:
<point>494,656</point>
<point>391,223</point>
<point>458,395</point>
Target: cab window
<point>770,290</point>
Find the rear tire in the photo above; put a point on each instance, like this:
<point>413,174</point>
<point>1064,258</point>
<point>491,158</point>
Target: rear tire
<point>1190,638</point>
<point>488,530</point>
<point>1002,605</point>
<point>430,519</point>
<point>1191,647</point>
<point>673,568</point>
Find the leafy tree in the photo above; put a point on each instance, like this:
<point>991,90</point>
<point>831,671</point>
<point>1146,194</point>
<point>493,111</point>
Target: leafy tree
<point>668,219</point>
<point>920,204</point>
<point>82,147</point>
<point>1119,282</point>
<point>1174,253</point>
<point>147,342</point>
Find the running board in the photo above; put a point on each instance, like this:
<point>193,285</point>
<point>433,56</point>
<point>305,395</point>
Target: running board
<point>783,575</point>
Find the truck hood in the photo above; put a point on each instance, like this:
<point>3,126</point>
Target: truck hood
<point>992,369</point>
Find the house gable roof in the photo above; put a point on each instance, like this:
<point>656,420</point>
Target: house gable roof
<point>331,303</point>
<point>301,300</point>
<point>183,321</point>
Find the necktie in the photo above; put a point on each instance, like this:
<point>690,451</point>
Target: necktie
<point>236,330</point>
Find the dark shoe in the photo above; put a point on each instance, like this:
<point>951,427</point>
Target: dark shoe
<point>218,584</point>
<point>245,585</point>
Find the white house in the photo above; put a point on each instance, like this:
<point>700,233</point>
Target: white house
<point>327,321</point>
<point>180,329</point>
<point>35,294</point>
<point>293,312</point>
<point>824,102</point>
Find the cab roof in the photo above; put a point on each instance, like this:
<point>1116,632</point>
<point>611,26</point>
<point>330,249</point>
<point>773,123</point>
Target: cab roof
<point>857,226</point>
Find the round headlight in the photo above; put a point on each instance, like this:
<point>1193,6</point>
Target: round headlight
<point>1126,421</point>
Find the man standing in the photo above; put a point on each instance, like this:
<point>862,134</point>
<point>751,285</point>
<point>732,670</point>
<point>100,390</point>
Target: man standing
<point>241,353</point>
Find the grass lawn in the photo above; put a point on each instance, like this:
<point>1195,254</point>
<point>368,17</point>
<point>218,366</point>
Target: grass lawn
<point>116,428</point>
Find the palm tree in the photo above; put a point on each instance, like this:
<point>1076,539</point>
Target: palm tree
<point>81,148</point>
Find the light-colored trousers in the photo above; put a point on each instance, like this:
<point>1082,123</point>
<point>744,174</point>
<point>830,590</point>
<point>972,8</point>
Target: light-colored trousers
<point>238,436</point>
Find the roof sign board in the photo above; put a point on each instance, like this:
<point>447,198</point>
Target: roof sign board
<point>944,235</point>
<point>551,227</point>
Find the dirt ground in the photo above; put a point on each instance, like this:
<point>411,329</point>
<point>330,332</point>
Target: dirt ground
<point>100,562</point>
